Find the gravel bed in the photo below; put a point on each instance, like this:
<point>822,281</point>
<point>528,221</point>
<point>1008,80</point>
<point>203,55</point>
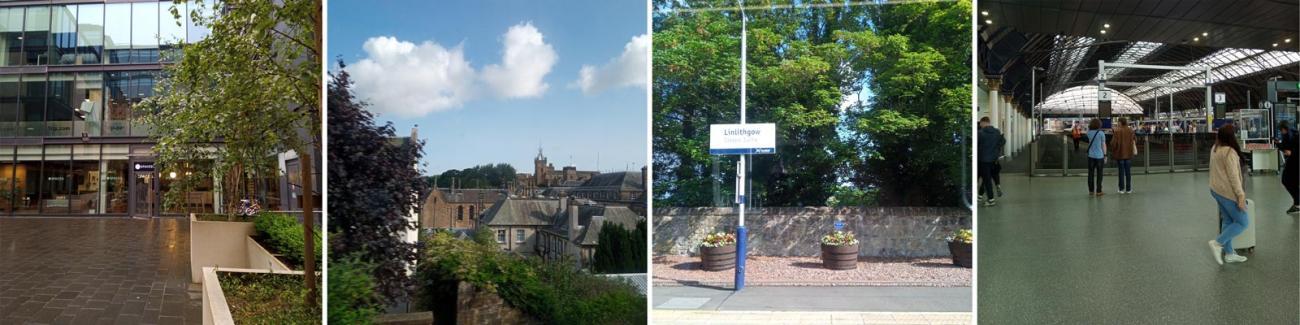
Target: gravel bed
<point>672,270</point>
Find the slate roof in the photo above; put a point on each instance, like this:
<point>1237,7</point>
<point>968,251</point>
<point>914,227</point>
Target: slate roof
<point>521,212</point>
<point>472,195</point>
<point>620,180</point>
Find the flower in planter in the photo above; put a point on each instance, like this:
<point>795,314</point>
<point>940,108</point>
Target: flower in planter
<point>840,238</point>
<point>964,236</point>
<point>719,239</point>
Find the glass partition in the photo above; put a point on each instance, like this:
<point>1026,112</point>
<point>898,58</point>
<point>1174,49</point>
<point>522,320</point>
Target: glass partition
<point>9,105</point>
<point>90,34</point>
<point>117,116</point>
<point>59,105</point>
<point>144,32</point>
<point>7,168</point>
<point>27,183</point>
<point>85,180</point>
<point>11,36</point>
<point>32,101</point>
<point>36,36</point>
<point>88,98</point>
<point>55,183</point>
<point>116,168</point>
<point>171,29</point>
<point>63,35</point>
<point>117,32</point>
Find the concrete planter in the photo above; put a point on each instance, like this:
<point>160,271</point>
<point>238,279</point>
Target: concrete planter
<point>843,257</point>
<point>217,244</point>
<point>261,258</point>
<point>961,254</point>
<point>718,258</point>
<point>216,310</point>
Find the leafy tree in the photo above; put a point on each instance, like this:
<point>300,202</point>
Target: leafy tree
<point>620,250</point>
<point>802,63</point>
<point>352,292</point>
<point>373,186</point>
<point>253,84</point>
<point>497,175</point>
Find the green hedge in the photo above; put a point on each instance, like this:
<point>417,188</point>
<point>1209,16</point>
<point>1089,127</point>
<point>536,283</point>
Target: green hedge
<point>283,234</point>
<point>553,292</point>
<point>263,298</point>
<point>352,292</point>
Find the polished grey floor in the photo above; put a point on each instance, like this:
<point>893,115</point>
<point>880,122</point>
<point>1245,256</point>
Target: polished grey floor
<point>1049,253</point>
<point>95,271</point>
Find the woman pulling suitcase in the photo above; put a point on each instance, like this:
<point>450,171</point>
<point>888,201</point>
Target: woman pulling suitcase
<point>1228,192</point>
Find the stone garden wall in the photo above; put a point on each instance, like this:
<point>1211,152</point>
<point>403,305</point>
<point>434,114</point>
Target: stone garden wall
<point>478,306</point>
<point>883,232</point>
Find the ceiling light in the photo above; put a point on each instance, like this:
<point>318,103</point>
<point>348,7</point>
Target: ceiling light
<point>1205,34</point>
<point>988,21</point>
<point>985,13</point>
<point>1103,31</point>
<point>1287,40</point>
<point>1106,25</point>
<point>1196,39</point>
<point>1274,44</point>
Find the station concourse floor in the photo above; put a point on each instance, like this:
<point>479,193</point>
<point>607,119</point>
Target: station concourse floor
<point>1049,253</point>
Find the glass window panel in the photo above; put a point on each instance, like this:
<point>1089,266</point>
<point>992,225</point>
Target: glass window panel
<point>115,184</point>
<point>9,105</point>
<point>144,32</point>
<point>27,181</point>
<point>117,32</point>
<point>171,30</point>
<point>11,36</point>
<point>88,100</point>
<point>32,105</point>
<point>59,105</point>
<point>141,87</point>
<point>63,35</point>
<point>90,34</point>
<point>7,168</point>
<point>36,36</point>
<point>117,117</point>
<point>195,33</point>
<point>85,179</point>
<point>55,182</point>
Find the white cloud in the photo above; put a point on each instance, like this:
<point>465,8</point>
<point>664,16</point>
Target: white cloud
<point>627,70</point>
<point>525,61</point>
<point>406,79</point>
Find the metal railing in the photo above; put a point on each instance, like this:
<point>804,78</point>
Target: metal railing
<point>1055,154</point>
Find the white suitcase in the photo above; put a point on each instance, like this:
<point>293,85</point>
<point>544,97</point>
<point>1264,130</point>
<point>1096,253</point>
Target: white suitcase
<point>1246,240</point>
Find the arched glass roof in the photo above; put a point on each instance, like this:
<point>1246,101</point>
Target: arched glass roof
<point>1083,100</point>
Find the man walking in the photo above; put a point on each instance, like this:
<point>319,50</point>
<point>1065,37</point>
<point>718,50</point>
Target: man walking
<point>1290,148</point>
<point>990,147</point>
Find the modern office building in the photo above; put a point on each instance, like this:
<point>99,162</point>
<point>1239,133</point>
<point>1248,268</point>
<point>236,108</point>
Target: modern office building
<point>70,76</point>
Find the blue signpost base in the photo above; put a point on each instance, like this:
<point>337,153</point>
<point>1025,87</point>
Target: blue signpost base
<point>741,235</point>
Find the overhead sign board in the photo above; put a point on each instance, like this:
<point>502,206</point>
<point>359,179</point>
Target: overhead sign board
<point>1103,94</point>
<point>1220,98</point>
<point>742,139</point>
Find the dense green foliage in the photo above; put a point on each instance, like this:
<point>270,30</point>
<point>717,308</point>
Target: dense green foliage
<point>352,292</point>
<point>283,234</point>
<point>482,176</point>
<point>553,292</point>
<point>620,250</point>
<point>373,187</point>
<point>900,145</point>
<point>263,298</point>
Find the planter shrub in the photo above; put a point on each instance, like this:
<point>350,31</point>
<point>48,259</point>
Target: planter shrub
<point>282,234</point>
<point>840,251</point>
<point>959,245</point>
<point>267,298</point>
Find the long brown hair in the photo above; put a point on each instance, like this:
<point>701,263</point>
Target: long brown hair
<point>1228,137</point>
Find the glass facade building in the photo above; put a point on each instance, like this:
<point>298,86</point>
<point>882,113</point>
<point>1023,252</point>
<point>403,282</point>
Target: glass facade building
<point>70,75</point>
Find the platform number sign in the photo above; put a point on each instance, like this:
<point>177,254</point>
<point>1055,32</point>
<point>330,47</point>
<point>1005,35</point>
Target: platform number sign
<point>1103,95</point>
<point>1220,98</point>
<point>839,225</point>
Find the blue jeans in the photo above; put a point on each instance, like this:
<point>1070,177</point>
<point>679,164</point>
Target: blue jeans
<point>1234,221</point>
<point>1125,174</point>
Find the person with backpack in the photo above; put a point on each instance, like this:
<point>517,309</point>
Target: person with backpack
<point>1125,149</point>
<point>1227,190</point>
<point>1096,139</point>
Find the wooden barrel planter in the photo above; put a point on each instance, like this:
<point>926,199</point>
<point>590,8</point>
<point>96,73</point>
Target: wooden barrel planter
<point>840,257</point>
<point>961,253</point>
<point>718,258</point>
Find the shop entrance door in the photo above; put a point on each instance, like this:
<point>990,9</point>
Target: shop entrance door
<point>145,197</point>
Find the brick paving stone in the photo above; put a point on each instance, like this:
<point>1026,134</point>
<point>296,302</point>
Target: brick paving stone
<point>95,271</point>
<point>798,271</point>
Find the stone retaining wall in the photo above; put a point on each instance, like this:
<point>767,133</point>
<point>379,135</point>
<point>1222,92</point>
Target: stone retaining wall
<point>478,306</point>
<point>883,232</point>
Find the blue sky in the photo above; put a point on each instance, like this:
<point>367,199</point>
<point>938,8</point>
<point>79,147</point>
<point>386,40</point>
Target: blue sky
<point>491,81</point>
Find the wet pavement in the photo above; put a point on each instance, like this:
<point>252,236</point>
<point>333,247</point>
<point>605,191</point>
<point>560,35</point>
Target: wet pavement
<point>108,270</point>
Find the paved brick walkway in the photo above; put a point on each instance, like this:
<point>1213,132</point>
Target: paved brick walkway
<point>95,271</point>
<point>781,317</point>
